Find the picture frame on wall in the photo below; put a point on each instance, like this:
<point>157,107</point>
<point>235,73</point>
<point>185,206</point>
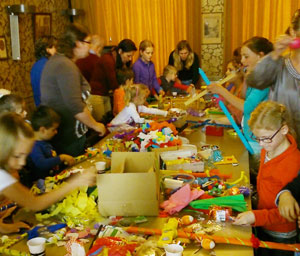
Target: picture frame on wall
<point>3,48</point>
<point>42,25</point>
<point>211,28</point>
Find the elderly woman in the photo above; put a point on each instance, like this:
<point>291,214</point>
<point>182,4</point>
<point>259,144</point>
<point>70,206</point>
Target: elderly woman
<point>65,90</point>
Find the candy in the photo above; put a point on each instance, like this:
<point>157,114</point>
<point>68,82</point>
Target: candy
<point>295,44</point>
<point>208,244</point>
<point>187,219</point>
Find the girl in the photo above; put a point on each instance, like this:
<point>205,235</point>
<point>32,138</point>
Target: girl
<point>144,70</point>
<point>168,82</point>
<point>252,51</point>
<point>135,97</point>
<point>280,163</point>
<point>186,62</point>
<point>282,74</point>
<point>17,139</point>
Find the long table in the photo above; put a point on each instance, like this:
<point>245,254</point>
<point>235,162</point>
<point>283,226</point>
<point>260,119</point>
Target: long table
<point>229,145</point>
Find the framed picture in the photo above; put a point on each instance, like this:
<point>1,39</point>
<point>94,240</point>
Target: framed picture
<point>42,25</point>
<point>211,28</point>
<point>3,49</point>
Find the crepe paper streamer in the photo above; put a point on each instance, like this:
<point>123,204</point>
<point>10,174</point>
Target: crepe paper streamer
<point>5,207</point>
<point>236,202</point>
<point>217,239</point>
<point>13,252</point>
<point>227,113</point>
<point>14,241</point>
<point>210,173</point>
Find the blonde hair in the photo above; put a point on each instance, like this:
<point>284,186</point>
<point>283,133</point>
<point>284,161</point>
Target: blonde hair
<point>269,115</point>
<point>145,44</point>
<point>12,127</point>
<point>177,60</point>
<point>168,70</point>
<point>135,90</point>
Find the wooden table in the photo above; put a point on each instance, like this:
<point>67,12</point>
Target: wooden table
<point>229,145</point>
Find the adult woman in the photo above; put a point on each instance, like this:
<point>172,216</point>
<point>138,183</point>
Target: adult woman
<point>64,89</point>
<point>104,78</point>
<point>186,62</point>
<point>252,50</point>
<point>44,48</point>
<point>282,74</point>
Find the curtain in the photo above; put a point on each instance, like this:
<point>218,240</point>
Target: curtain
<point>247,18</point>
<point>164,22</point>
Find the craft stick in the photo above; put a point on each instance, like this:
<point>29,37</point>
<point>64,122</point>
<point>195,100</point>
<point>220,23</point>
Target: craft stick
<point>192,99</point>
<point>13,252</point>
<point>216,239</point>
<point>228,115</point>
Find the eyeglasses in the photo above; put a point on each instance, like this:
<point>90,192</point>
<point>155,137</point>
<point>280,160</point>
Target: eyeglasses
<point>267,139</point>
<point>87,42</point>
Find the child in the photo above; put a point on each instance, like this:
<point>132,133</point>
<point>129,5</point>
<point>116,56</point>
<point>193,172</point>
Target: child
<point>135,97</point>
<point>125,78</point>
<point>16,140</point>
<point>144,71</point>
<point>168,82</point>
<point>280,163</point>
<point>13,103</point>
<point>43,160</point>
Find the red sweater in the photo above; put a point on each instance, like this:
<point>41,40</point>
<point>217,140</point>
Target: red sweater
<point>86,65</point>
<point>104,76</point>
<point>272,177</point>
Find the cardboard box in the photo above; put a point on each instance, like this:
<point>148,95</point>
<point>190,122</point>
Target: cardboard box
<point>131,189</point>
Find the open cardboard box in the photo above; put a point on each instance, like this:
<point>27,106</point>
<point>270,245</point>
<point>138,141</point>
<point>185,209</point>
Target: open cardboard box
<point>131,189</point>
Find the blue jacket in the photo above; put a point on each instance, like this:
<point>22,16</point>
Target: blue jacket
<point>35,76</point>
<point>144,73</point>
<point>42,160</point>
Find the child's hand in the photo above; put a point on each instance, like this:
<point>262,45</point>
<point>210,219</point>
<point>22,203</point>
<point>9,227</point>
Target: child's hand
<point>245,218</point>
<point>66,159</point>
<point>216,88</point>
<point>13,227</point>
<point>162,92</point>
<point>99,127</point>
<point>190,88</point>
<point>87,178</point>
<point>288,206</point>
<point>281,44</point>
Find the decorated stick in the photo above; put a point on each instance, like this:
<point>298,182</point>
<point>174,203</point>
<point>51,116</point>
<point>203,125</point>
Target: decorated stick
<point>217,239</point>
<point>198,96</point>
<point>13,252</point>
<point>228,115</point>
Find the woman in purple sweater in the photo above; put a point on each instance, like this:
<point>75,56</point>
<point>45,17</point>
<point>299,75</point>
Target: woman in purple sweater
<point>144,70</point>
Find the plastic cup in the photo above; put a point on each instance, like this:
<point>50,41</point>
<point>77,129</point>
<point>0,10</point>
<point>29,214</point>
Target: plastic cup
<point>37,246</point>
<point>100,166</point>
<point>173,250</point>
<point>174,94</point>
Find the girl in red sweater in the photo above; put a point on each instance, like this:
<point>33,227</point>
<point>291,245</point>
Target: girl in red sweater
<point>279,164</point>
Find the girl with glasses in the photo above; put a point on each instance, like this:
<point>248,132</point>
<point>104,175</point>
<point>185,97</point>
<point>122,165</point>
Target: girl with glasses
<point>279,164</point>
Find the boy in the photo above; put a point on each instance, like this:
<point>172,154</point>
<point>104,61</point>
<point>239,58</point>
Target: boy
<point>43,160</point>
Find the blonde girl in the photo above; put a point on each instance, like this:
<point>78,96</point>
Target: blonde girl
<point>169,84</point>
<point>279,164</point>
<point>135,97</point>
<point>144,70</point>
<point>17,139</point>
<point>186,62</point>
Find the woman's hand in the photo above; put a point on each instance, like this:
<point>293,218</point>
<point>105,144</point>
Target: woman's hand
<point>288,206</point>
<point>216,88</point>
<point>281,44</point>
<point>245,218</point>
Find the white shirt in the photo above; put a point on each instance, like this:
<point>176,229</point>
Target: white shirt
<point>6,179</point>
<point>130,114</point>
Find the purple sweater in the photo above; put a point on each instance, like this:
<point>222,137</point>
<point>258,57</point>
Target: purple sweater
<point>145,74</point>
